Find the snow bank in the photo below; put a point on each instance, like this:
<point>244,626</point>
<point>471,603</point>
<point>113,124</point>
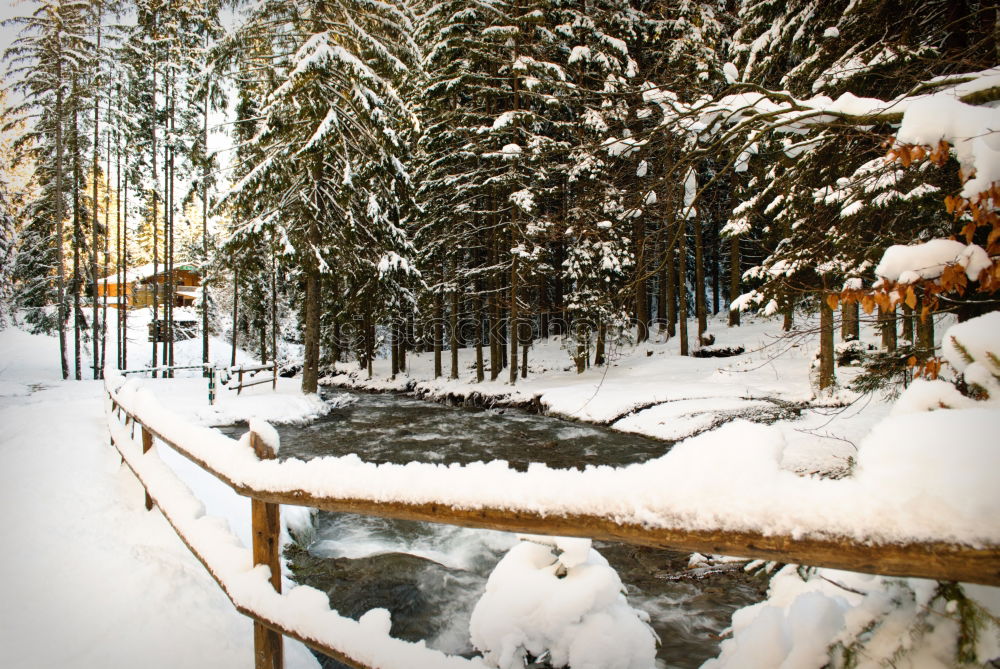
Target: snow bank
<point>567,609</point>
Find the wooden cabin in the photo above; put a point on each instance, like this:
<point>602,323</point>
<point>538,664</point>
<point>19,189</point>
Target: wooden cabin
<point>136,292</point>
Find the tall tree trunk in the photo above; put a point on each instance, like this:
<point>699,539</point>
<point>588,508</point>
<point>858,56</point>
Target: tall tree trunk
<point>107,255</point>
<point>827,376</point>
<point>169,225</point>
<point>156,223</point>
<point>513,321</point>
<point>480,372</point>
<point>94,218</point>
<point>274,302</point>
<point>700,308</point>
<point>670,274</point>
<point>682,285</point>
<point>788,311</point>
<point>453,337</point>
<point>204,220</point>
<point>735,275</point>
<point>394,348</point>
<point>310,362</point>
<point>119,255</point>
<point>60,236</point>
<point>715,266</point>
<point>124,285</point>
<point>850,329</point>
<point>601,343</point>
<point>77,241</point>
<point>887,325</point>
<point>437,330</point>
<point>925,332</point>
<point>236,314</point>
<point>907,323</point>
<point>641,289</point>
<point>661,280</point>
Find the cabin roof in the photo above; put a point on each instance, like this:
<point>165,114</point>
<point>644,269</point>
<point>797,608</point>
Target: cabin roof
<point>145,272</point>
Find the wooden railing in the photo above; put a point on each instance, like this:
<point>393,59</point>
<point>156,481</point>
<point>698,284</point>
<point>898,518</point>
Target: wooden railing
<point>241,370</point>
<point>933,560</point>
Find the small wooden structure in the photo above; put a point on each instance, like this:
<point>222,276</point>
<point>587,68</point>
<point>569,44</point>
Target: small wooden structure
<point>136,291</point>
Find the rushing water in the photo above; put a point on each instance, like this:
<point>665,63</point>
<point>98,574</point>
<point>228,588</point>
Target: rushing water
<point>430,576</point>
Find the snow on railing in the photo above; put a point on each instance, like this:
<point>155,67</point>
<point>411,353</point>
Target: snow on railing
<point>846,524</point>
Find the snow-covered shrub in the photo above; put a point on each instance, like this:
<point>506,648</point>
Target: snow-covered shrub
<point>824,617</point>
<point>829,618</point>
<point>556,600</point>
<point>972,348</point>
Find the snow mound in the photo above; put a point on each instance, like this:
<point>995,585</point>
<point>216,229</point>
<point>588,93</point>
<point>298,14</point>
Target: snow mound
<point>570,615</point>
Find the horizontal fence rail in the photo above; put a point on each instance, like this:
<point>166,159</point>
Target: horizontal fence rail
<point>930,559</point>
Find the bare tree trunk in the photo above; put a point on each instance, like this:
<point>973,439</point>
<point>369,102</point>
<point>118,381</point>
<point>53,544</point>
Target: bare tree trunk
<point>274,303</point>
<point>670,276</point>
<point>907,323</point>
<point>788,321</point>
<point>850,329</point>
<point>641,290</point>
<point>438,332</point>
<point>700,308</point>
<point>119,255</point>
<point>600,344</point>
<point>480,372</point>
<point>236,313</point>
<point>60,233</point>
<point>715,266</point>
<point>156,251</point>
<point>682,285</point>
<point>735,275</point>
<point>925,333</point>
<point>93,223</point>
<point>204,221</point>
<point>494,306</point>
<point>77,242</point>
<point>827,376</point>
<point>453,338</point>
<point>107,256</point>
<point>513,321</point>
<point>887,325</point>
<point>310,363</point>
<point>661,280</point>
<point>124,285</point>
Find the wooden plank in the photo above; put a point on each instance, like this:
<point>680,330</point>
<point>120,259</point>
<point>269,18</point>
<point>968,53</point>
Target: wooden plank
<point>147,443</point>
<point>934,560</point>
<point>266,524</point>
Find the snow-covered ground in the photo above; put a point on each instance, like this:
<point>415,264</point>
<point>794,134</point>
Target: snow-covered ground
<point>116,587</point>
<point>94,580</point>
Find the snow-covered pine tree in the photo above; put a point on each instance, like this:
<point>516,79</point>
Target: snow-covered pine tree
<point>325,168</point>
<point>51,50</point>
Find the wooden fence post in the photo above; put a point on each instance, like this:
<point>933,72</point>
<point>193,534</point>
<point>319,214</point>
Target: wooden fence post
<point>147,443</point>
<point>239,386</point>
<point>266,523</point>
<point>274,379</point>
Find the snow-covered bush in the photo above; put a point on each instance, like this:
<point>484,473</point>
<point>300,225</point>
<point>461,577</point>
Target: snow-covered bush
<point>556,600</point>
<point>829,618</point>
<point>824,617</point>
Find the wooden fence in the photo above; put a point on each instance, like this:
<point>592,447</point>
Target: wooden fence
<point>934,560</point>
<point>241,370</point>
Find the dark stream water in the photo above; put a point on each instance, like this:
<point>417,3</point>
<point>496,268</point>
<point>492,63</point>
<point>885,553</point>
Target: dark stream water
<point>430,576</point>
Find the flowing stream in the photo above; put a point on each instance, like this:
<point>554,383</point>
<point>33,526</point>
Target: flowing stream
<point>430,576</point>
